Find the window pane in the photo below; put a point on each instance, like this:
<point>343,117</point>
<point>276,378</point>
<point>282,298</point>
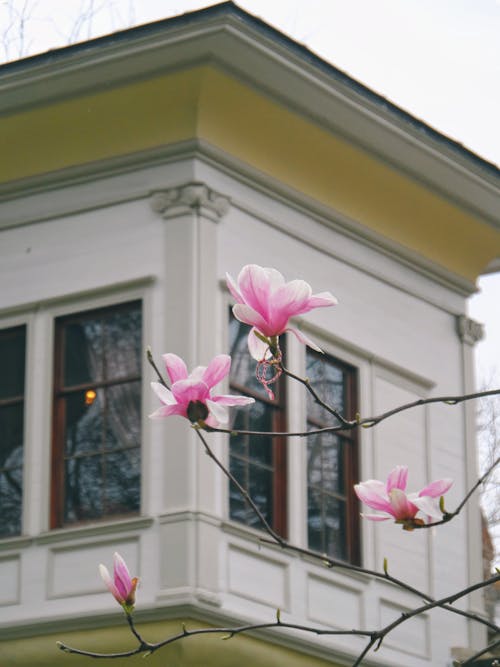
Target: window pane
<point>12,360</point>
<point>83,488</point>
<point>324,462</point>
<point>11,496</point>
<point>11,438</point>
<point>123,344</point>
<point>83,424</point>
<point>98,427</point>
<point>331,462</point>
<point>122,481</point>
<point>315,522</point>
<point>328,382</point>
<point>83,352</point>
<point>334,517</point>
<point>123,423</point>
<point>12,364</point>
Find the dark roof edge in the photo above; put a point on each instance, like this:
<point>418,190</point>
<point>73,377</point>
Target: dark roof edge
<point>229,8</point>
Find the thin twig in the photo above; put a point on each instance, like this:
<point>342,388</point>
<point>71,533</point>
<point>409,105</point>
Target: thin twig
<point>307,384</point>
<point>473,658</point>
<point>150,647</point>
<point>385,576</point>
<point>448,516</point>
<point>277,538</point>
<point>366,422</point>
<point>149,356</point>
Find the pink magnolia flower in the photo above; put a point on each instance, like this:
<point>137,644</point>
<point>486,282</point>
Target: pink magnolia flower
<point>191,395</point>
<point>122,586</point>
<point>266,303</point>
<point>392,499</point>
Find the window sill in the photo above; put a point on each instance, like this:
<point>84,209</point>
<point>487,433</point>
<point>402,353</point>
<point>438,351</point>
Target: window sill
<point>17,542</point>
<point>90,530</point>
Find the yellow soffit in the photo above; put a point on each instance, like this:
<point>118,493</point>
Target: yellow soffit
<point>206,103</point>
<point>206,650</point>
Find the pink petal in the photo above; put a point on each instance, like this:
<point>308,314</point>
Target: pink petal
<point>123,581</point>
<point>197,373</point>
<point>401,507</point>
<point>275,278</point>
<point>428,506</point>
<point>254,287</point>
<point>164,394</point>
<point>248,315</point>
<point>437,488</point>
<point>176,368</point>
<point>258,348</point>
<point>233,288</point>
<point>376,517</point>
<point>291,299</point>
<point>322,300</point>
<point>397,478</point>
<point>230,400</point>
<point>189,390</point>
<point>103,570</point>
<point>169,411</point>
<point>305,340</point>
<point>219,411</point>
<point>372,493</point>
<point>217,370</point>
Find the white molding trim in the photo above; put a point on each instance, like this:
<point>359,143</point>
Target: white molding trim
<point>78,196</point>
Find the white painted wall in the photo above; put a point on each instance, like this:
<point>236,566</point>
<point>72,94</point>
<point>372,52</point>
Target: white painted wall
<point>96,243</point>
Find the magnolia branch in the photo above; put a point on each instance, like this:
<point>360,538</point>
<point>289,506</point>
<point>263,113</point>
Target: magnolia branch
<point>367,422</point>
<point>376,637</point>
<point>147,648</point>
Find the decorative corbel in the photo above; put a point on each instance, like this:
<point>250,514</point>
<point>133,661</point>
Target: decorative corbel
<point>183,199</point>
<point>469,331</point>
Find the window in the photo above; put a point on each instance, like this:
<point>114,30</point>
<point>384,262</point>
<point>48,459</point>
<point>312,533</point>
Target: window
<point>332,513</point>
<point>258,463</point>
<point>97,415</point>
<point>12,363</point>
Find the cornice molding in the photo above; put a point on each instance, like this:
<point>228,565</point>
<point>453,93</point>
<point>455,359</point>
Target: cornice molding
<point>469,331</point>
<point>21,204</point>
<point>184,199</point>
<point>305,84</point>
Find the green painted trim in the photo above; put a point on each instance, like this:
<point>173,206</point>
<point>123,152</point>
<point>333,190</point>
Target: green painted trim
<point>198,651</point>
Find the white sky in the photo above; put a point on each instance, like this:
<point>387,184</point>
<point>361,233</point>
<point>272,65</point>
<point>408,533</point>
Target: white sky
<point>437,59</point>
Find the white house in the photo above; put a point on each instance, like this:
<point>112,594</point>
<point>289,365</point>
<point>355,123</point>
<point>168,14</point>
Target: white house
<point>137,169</point>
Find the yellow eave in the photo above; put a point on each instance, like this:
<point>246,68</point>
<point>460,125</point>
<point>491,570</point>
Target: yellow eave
<point>203,102</point>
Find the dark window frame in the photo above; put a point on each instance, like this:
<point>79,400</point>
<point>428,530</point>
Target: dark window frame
<point>61,391</point>
<point>350,455</point>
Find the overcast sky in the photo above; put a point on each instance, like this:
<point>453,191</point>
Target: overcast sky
<point>437,59</point>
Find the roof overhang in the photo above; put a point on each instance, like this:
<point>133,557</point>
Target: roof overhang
<point>227,78</point>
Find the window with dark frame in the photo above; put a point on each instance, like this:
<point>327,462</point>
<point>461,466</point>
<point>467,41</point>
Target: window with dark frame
<point>332,461</point>
<point>257,462</point>
<point>12,363</point>
<point>96,452</point>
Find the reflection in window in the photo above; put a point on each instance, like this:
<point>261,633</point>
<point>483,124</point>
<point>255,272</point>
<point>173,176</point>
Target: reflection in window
<point>331,461</point>
<point>97,415</point>
<point>12,364</point>
<point>258,463</point>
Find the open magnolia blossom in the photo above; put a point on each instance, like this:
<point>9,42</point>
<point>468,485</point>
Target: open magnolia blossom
<point>392,499</point>
<point>266,302</point>
<point>122,586</point>
<point>191,395</point>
